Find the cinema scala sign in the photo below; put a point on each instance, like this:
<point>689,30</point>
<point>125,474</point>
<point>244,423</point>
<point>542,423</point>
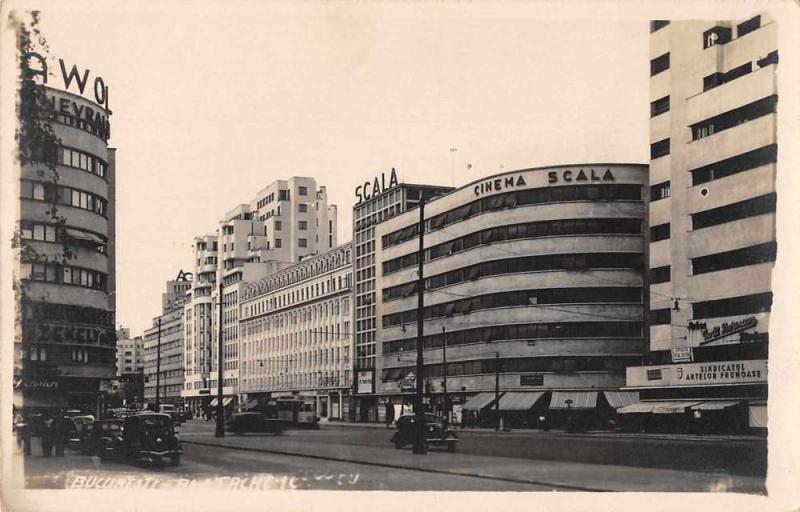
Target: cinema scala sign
<point>377,186</point>
<point>589,175</point>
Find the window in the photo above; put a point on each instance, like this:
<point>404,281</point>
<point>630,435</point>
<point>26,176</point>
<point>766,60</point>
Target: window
<point>660,316</point>
<point>771,58</point>
<point>302,191</point>
<point>739,71</point>
<point>278,225</point>
<point>283,195</point>
<point>715,36</point>
<point>748,26</point>
<point>277,243</point>
<point>654,374</point>
<point>659,191</point>
<point>302,207</point>
<point>713,80</point>
<point>531,380</point>
<point>659,149</point>
<point>302,242</point>
<point>660,275</point>
<point>743,209</point>
<point>659,64</point>
<point>303,225</point>
<point>659,232</point>
<point>659,106</point>
<point>658,24</point>
<point>742,305</point>
<point>735,164</point>
<point>753,255</point>
<point>735,117</point>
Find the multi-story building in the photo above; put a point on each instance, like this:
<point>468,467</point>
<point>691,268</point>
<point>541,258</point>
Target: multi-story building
<point>713,146</point>
<point>65,344</point>
<point>533,284</point>
<point>296,333</point>
<point>378,200</point>
<point>285,222</point>
<point>163,347</point>
<point>130,366</point>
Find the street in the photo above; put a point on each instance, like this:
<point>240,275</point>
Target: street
<point>338,457</point>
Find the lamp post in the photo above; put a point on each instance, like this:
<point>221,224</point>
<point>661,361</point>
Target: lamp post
<point>419,447</point>
<point>497,388</point>
<point>444,382</point>
<point>220,430</point>
<point>158,367</point>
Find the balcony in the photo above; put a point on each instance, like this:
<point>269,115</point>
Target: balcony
<point>731,95</point>
<point>731,235</point>
<point>733,141</point>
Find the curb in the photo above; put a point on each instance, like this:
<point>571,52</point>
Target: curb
<point>565,487</point>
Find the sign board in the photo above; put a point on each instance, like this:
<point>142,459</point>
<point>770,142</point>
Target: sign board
<point>366,381</point>
<point>377,186</point>
<point>699,374</point>
<point>682,355</point>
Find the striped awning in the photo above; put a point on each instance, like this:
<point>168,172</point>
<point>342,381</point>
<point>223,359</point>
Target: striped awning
<point>640,408</point>
<point>225,402</point>
<point>250,404</point>
<point>519,401</point>
<point>479,401</point>
<point>715,405</point>
<point>578,400</point>
<point>617,399</point>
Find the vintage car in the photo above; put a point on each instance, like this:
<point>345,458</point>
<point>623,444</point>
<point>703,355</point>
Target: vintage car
<point>149,437</point>
<point>242,422</point>
<point>435,432</point>
<point>102,438</point>
<point>75,430</point>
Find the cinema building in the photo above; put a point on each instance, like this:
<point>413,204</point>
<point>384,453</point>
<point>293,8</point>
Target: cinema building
<point>712,214</point>
<point>65,344</point>
<point>533,289</point>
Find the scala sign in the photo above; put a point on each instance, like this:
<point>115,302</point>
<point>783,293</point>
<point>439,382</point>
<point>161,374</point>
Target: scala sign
<point>376,187</point>
<point>580,175</point>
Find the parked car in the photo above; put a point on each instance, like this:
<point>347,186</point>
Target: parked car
<point>149,437</point>
<point>435,432</point>
<point>102,438</point>
<point>171,411</point>
<point>242,422</point>
<point>76,430</point>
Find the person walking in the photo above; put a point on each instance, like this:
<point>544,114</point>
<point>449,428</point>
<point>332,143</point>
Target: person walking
<point>47,436</point>
<point>389,413</point>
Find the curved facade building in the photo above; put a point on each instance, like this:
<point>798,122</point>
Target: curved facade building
<point>533,280</point>
<point>67,347</point>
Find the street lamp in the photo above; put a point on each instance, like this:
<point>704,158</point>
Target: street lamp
<point>220,430</point>
<point>419,447</point>
<point>444,382</point>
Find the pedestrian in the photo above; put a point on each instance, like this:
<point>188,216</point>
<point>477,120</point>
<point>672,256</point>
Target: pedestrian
<point>60,430</point>
<point>47,436</point>
<point>389,413</point>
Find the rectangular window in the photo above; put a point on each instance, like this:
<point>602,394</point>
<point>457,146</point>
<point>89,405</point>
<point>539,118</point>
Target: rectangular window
<point>38,191</point>
<point>659,106</point>
<point>658,24</point>
<point>742,305</point>
<point>659,64</point>
<point>715,36</point>
<point>660,316</point>
<point>531,380</point>
<point>738,71</point>
<point>659,191</point>
<point>735,117</point>
<point>659,232</point>
<point>303,225</point>
<point>277,243</point>
<point>659,149</point>
<point>713,80</point>
<point>302,191</point>
<point>660,275</point>
<point>654,374</point>
<point>302,207</point>
<point>735,164</point>
<point>743,209</point>
<point>753,255</point>
<point>748,26</point>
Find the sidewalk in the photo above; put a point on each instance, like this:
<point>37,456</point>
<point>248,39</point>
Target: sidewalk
<point>558,474</point>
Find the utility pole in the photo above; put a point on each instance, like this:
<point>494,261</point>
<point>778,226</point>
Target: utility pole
<point>497,388</point>
<point>158,367</point>
<point>220,430</point>
<point>419,416</point>
<point>444,383</point>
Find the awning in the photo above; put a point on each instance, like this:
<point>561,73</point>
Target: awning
<point>250,404</point>
<point>578,400</point>
<point>225,402</point>
<point>617,399</point>
<point>673,407</point>
<point>519,401</point>
<point>478,402</point>
<point>213,403</point>
<point>640,408</point>
<point>758,416</point>
<point>716,405</point>
<point>84,235</point>
<point>51,400</point>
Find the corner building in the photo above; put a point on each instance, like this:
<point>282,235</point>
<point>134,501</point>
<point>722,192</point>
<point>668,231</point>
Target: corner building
<point>65,352</point>
<point>532,277</point>
<point>714,107</point>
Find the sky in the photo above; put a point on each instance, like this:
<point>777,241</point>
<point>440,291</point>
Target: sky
<point>211,102</point>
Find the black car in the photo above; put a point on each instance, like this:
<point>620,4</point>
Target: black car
<point>149,437</point>
<point>435,432</point>
<point>103,437</point>
<point>242,422</point>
